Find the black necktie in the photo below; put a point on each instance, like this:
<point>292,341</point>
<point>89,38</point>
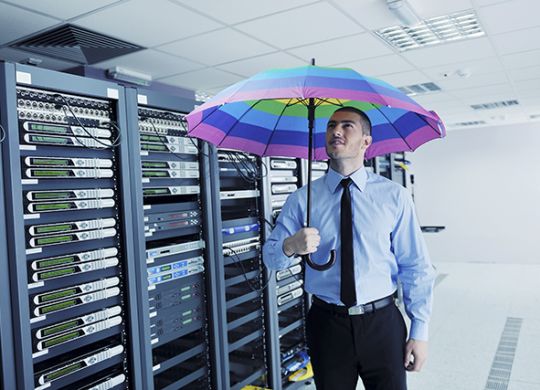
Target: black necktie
<point>348,291</point>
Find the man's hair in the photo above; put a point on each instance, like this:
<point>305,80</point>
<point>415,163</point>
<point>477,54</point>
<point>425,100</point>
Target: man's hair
<point>364,120</point>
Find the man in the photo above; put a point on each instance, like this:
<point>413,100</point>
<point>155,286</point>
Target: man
<point>354,329</point>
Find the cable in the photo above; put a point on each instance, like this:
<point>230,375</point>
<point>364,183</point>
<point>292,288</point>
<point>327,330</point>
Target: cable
<point>247,169</point>
<point>178,156</point>
<point>115,143</point>
<point>239,265</point>
<point>3,134</point>
<point>182,122</point>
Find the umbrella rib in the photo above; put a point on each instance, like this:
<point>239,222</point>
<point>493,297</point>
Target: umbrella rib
<point>238,121</point>
<point>398,133</point>
<point>216,108</point>
<point>434,129</point>
<point>275,126</point>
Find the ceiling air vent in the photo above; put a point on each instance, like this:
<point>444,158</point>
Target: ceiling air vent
<point>469,123</point>
<point>418,89</point>
<point>490,106</point>
<point>75,44</point>
<point>534,116</point>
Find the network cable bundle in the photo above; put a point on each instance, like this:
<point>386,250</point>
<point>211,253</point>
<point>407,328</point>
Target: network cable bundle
<point>243,277</point>
<point>175,251</point>
<point>68,239</point>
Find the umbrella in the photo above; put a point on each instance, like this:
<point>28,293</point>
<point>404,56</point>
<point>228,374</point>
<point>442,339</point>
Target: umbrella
<point>284,112</point>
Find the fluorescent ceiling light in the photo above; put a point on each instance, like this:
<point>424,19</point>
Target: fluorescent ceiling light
<point>128,75</point>
<point>433,31</point>
<point>403,11</point>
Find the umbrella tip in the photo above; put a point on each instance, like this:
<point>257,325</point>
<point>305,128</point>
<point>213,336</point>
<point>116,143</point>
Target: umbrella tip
<point>313,61</point>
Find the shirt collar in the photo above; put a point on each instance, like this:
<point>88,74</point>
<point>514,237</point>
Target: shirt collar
<point>359,178</point>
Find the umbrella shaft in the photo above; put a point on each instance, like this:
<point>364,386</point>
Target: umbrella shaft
<point>311,124</point>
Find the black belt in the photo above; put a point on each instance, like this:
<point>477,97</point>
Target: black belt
<point>355,310</point>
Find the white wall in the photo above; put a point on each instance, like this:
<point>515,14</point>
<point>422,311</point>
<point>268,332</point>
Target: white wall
<point>483,184</point>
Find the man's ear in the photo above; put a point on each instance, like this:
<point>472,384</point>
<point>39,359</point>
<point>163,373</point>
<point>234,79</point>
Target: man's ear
<point>367,141</point>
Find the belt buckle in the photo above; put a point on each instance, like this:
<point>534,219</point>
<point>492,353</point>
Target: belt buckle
<point>356,310</point>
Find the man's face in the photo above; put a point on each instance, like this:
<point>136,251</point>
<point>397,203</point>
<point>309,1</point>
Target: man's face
<point>344,136</point>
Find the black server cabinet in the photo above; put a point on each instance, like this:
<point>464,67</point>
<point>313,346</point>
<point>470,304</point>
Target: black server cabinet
<point>170,182</point>
<point>70,239</point>
<point>241,276</point>
<point>7,368</point>
<point>289,301</point>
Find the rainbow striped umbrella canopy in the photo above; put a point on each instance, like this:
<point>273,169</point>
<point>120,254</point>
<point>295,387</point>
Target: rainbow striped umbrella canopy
<point>267,114</point>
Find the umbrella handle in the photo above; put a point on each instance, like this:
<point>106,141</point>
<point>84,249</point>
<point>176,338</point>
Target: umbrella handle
<point>321,267</point>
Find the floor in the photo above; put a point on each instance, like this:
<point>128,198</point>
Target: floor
<point>485,329</point>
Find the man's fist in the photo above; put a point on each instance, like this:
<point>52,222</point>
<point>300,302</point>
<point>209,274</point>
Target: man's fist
<point>304,241</point>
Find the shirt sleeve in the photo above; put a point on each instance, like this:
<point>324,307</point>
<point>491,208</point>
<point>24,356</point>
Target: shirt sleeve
<point>287,224</point>
<point>416,272</point>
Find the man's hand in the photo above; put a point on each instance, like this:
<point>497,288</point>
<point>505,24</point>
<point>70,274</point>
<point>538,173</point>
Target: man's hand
<point>304,241</point>
<point>416,352</point>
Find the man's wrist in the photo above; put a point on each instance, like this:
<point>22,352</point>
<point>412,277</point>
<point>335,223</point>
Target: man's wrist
<point>286,248</point>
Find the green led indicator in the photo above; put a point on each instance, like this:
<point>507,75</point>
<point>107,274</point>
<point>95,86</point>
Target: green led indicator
<point>167,277</point>
<point>151,138</point>
<point>187,288</point>
<point>155,174</point>
<point>51,195</point>
<point>47,161</point>
<point>59,328</point>
<point>187,313</point>
<point>62,372</point>
<point>53,206</point>
<point>57,295</point>
<point>48,128</point>
<point>155,191</point>
<point>188,321</point>
<point>53,240</point>
<point>48,173</point>
<point>57,273</point>
<point>61,339</point>
<point>57,306</point>
<point>53,228</point>
<point>184,297</point>
<point>154,164</point>
<point>160,148</point>
<point>51,140</point>
<point>166,268</point>
<point>56,261</point>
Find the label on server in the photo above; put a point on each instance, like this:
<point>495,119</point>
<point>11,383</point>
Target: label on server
<point>44,173</point>
<point>49,128</point>
<point>242,194</point>
<point>252,227</point>
<point>170,267</point>
<point>173,190</point>
<point>283,188</point>
<point>86,193</point>
<point>157,164</point>
<point>289,287</point>
<point>182,273</point>
<point>68,162</point>
<point>283,299</point>
<point>75,258</point>
<point>76,301</point>
<point>38,230</point>
<point>78,333</point>
<point>45,207</point>
<point>74,269</point>
<point>283,179</point>
<point>319,165</point>
<point>66,141</point>
<point>283,164</point>
<point>170,225</point>
<point>77,322</point>
<point>170,174</point>
<point>174,249</point>
<point>284,274</point>
<point>71,237</point>
<point>168,148</point>
<point>78,364</point>
<point>55,295</point>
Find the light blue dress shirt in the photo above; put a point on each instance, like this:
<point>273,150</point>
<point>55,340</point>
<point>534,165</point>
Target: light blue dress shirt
<point>388,243</point>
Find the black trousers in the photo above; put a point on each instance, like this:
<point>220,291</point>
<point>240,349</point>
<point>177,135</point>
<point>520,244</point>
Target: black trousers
<point>370,346</point>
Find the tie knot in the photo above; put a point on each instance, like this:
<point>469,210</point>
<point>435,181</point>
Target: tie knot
<point>346,182</point>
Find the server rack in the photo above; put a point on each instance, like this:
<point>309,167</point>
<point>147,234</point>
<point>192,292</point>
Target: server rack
<point>7,368</point>
<point>69,244</point>
<point>174,244</point>
<point>241,276</point>
<point>289,302</point>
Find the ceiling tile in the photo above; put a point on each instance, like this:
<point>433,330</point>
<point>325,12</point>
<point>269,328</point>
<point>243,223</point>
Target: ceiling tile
<point>522,86</point>
<point>342,50</point>
<point>301,26</point>
<point>450,53</point>
<point>430,9</point>
<point>521,60</point>
<point>525,73</point>
<point>482,98</point>
<point>448,72</point>
<point>243,9</point>
<point>475,80</point>
<point>516,41</point>
<point>524,14</point>
<point>151,62</point>
<point>371,14</point>
<point>435,98</point>
<point>16,23</point>
<point>217,47</point>
<point>405,78</point>
<point>379,65</point>
<point>488,90</point>
<point>254,65</point>
<point>202,79</point>
<point>63,9</point>
<point>484,3</point>
<point>146,24</point>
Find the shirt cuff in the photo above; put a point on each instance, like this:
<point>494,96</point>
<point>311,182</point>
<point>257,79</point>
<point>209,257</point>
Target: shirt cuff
<point>419,330</point>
